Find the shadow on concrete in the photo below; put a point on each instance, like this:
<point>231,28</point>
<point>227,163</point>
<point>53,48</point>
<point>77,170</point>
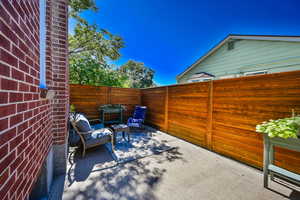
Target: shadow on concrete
<point>80,168</point>
<point>142,144</point>
<point>294,195</point>
<point>103,178</point>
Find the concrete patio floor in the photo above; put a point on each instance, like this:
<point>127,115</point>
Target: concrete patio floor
<point>184,173</point>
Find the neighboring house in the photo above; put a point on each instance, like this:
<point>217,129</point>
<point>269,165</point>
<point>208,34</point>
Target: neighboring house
<point>34,95</point>
<point>244,55</point>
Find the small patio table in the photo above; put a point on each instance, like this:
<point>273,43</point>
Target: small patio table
<point>123,128</point>
<point>111,109</point>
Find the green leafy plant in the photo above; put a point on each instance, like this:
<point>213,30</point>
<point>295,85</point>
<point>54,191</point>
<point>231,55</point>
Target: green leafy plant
<point>72,108</point>
<point>85,70</point>
<point>284,128</point>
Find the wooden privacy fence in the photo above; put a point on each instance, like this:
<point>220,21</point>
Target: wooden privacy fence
<point>88,99</point>
<point>220,115</point>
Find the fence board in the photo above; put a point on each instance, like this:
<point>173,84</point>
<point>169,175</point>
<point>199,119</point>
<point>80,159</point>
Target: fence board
<point>154,99</point>
<point>223,118</point>
<point>87,99</point>
<point>188,112</point>
<point>239,104</point>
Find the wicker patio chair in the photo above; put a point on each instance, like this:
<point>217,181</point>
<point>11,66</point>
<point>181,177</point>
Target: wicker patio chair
<point>90,137</point>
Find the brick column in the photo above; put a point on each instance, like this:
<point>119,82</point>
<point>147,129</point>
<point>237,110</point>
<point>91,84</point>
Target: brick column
<point>60,80</point>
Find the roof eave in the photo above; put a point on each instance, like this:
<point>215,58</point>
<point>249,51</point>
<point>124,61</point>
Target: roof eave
<point>204,56</point>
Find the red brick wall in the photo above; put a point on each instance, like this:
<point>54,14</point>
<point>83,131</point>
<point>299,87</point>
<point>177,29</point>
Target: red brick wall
<point>30,125</point>
<point>59,71</point>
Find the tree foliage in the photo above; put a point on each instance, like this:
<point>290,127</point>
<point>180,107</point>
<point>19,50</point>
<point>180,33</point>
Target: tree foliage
<point>139,75</point>
<point>78,6</point>
<point>90,48</point>
<point>89,38</point>
<point>98,44</point>
<point>87,71</point>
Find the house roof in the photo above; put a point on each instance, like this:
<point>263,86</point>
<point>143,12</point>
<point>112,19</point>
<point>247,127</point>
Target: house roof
<point>241,37</point>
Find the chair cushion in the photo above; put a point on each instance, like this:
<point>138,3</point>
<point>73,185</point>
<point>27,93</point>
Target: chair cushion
<point>99,133</point>
<point>97,137</point>
<point>82,123</point>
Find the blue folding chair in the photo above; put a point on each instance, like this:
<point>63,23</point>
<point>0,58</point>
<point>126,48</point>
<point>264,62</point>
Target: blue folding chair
<point>138,117</point>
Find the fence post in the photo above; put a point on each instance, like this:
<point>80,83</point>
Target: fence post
<point>166,109</point>
<point>210,116</point>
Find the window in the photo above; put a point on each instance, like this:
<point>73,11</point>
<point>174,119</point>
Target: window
<point>43,44</point>
<point>200,80</point>
<point>255,73</point>
<point>230,45</point>
<point>228,76</point>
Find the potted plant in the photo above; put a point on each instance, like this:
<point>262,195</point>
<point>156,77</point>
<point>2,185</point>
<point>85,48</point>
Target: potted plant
<point>281,128</point>
<point>283,133</point>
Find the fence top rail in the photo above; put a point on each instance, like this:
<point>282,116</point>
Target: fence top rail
<point>258,76</point>
<point>100,86</point>
<point>231,79</point>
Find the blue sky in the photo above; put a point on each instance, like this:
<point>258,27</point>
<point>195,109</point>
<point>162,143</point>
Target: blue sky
<point>169,35</point>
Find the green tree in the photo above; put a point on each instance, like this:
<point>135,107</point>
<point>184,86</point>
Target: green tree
<point>78,6</point>
<point>89,38</point>
<point>139,75</point>
<point>87,71</point>
<point>89,49</point>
